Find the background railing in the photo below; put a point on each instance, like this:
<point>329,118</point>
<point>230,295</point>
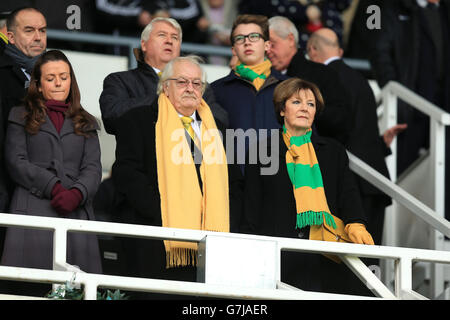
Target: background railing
<point>131,43</point>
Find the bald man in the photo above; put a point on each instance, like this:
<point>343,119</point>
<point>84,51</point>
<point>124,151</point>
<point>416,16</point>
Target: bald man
<point>364,139</point>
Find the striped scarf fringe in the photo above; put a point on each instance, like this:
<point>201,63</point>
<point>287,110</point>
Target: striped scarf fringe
<point>312,218</point>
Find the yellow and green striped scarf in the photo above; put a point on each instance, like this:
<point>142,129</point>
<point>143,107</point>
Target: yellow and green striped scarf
<point>306,178</point>
<point>257,74</point>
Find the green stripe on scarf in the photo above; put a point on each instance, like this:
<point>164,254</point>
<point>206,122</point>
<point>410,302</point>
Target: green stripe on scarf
<point>303,175</point>
<point>249,74</point>
<point>304,171</point>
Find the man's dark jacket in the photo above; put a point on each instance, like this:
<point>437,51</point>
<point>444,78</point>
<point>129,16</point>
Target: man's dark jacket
<point>12,92</point>
<point>335,120</point>
<point>136,183</point>
<point>364,139</point>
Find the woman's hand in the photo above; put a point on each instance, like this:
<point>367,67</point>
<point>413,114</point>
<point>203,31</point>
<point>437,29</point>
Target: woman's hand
<point>67,201</point>
<point>358,233</point>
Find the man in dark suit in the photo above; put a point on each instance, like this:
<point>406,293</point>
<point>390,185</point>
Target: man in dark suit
<point>364,139</point>
<point>288,58</point>
<point>147,177</point>
<point>27,39</point>
<point>122,91</point>
<point>412,48</point>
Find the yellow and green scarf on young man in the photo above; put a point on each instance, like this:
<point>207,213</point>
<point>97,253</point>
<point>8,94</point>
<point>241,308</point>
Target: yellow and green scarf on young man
<point>256,74</point>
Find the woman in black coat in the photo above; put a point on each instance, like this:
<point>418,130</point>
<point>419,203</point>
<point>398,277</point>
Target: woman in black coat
<point>52,153</point>
<point>272,203</point>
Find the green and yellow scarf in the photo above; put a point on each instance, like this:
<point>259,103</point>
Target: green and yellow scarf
<point>306,178</point>
<point>257,74</point>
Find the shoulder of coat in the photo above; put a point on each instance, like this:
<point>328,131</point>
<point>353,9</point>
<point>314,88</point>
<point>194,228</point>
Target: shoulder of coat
<point>17,115</point>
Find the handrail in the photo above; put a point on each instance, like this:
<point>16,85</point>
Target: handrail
<point>417,101</point>
<point>349,252</point>
<point>394,191</point>
<point>439,119</point>
<point>134,42</point>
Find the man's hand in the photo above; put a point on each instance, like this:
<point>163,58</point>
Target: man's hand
<point>392,132</point>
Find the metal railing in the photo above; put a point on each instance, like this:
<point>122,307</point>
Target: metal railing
<point>132,42</point>
<point>349,253</point>
<point>439,119</point>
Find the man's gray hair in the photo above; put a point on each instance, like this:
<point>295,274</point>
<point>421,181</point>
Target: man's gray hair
<point>148,29</point>
<point>2,23</point>
<point>282,26</point>
<point>167,73</point>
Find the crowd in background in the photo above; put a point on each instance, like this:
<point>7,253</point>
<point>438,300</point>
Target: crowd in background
<point>203,21</point>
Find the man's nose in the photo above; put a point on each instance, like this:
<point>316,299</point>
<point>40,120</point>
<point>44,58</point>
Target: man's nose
<point>37,35</point>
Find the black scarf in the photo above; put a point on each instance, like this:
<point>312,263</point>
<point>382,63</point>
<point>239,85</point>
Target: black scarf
<point>20,58</point>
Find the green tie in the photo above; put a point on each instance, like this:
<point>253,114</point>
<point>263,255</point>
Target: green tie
<point>187,125</point>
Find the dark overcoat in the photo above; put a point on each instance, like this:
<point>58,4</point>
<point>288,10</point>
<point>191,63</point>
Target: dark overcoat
<point>336,118</point>
<point>270,209</point>
<point>366,143</point>
<point>36,163</point>
<point>137,194</point>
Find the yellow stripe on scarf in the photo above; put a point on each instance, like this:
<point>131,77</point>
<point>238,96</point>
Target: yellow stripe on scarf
<point>183,205</point>
<point>257,74</point>
<point>306,178</point>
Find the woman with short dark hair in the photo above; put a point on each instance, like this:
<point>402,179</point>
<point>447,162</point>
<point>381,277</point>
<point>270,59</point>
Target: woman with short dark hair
<point>52,153</point>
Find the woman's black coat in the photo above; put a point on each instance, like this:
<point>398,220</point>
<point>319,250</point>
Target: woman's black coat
<point>269,206</point>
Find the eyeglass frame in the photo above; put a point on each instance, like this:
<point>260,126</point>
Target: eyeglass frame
<point>248,37</point>
<point>187,83</point>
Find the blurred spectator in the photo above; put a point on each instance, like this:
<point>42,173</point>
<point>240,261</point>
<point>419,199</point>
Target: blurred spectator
<point>118,17</point>
<point>188,13</point>
<point>413,49</point>
<point>361,39</point>
<point>288,58</point>
<point>307,15</point>
<point>220,15</point>
<point>59,18</point>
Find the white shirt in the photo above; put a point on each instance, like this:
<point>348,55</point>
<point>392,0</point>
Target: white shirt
<point>330,60</point>
<point>26,74</point>
<point>156,70</point>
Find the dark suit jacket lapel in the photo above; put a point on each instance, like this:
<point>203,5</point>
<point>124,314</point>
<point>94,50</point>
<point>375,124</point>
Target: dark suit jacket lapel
<point>21,75</point>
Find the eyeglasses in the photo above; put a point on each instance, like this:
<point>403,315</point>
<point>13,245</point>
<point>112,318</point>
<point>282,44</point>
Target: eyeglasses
<point>253,37</point>
<point>183,83</point>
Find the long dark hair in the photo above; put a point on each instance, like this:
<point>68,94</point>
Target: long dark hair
<point>34,101</point>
